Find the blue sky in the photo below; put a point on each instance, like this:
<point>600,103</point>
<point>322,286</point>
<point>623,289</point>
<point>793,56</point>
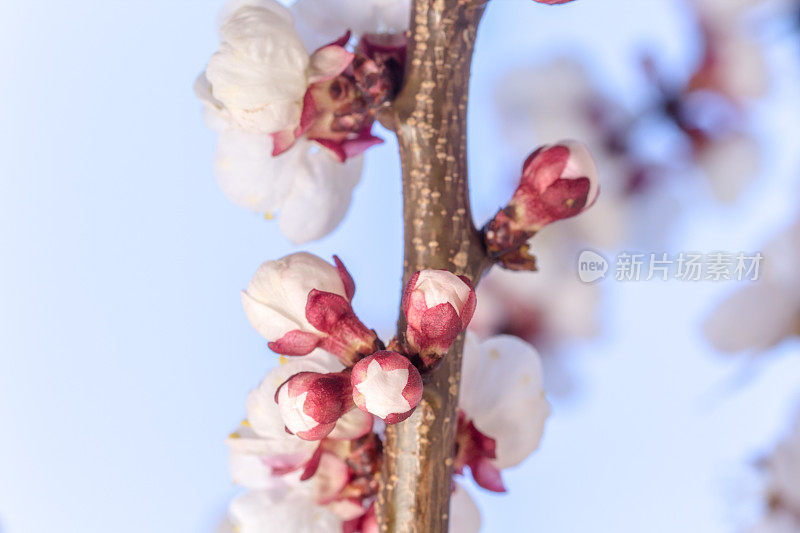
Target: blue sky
<point>126,357</point>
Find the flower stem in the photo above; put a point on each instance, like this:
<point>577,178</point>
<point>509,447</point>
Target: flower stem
<point>430,119</point>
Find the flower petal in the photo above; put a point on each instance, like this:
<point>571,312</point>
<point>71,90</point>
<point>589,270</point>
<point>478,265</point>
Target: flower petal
<point>502,393</point>
<point>319,197</point>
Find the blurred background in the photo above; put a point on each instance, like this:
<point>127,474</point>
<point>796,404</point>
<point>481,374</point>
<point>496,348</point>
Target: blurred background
<point>126,356</point>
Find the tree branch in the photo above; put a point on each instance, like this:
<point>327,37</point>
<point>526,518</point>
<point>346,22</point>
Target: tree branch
<point>430,118</point>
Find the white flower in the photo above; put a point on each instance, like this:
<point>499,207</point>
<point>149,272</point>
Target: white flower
<point>281,511</point>
<point>503,395</point>
<point>275,300</point>
<point>254,87</point>
<point>321,21</point>
<point>259,72</point>
<point>264,456</point>
<point>262,444</point>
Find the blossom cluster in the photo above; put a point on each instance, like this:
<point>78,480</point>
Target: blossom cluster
<point>311,439</point>
<point>312,429</point>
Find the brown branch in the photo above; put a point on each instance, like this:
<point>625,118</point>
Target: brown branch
<point>430,118</point>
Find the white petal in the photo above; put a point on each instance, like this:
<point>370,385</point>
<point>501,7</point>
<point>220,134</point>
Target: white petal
<point>440,287</point>
<point>383,390</point>
<point>234,5</point>
<point>293,412</point>
<point>248,174</point>
<point>275,300</point>
<point>355,423</point>
<point>755,317</point>
<point>281,512</point>
<point>502,392</point>
<point>268,321</point>
<point>251,471</point>
<point>259,72</point>
<point>465,517</point>
<point>321,21</point>
<point>320,195</point>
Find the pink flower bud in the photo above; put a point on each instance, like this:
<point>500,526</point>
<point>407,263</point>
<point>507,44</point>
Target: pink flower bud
<point>552,2</point>
<point>386,385</point>
<point>310,403</point>
<point>558,181</point>
<point>438,306</point>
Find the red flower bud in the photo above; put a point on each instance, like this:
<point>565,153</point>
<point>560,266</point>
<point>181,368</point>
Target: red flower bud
<point>386,385</point>
<point>558,181</point>
<point>310,403</point>
<point>438,306</point>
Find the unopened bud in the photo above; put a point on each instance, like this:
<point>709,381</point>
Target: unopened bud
<point>386,385</point>
<point>558,181</point>
<point>311,403</point>
<point>438,306</point>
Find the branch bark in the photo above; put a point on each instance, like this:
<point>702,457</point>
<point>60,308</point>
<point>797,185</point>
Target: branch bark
<point>430,119</point>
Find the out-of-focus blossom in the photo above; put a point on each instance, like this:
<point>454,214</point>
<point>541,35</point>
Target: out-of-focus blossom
<point>386,385</point>
<point>438,305</point>
<point>301,302</point>
<point>730,164</point>
<point>503,407</point>
<point>777,522</point>
<point>766,311</point>
<point>552,2</point>
<point>782,469</point>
